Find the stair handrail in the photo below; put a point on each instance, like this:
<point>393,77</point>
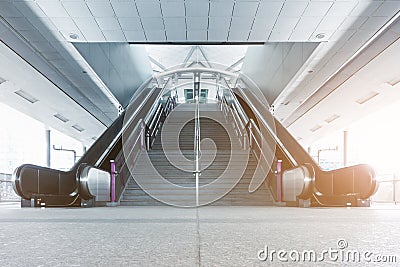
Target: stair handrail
<point>144,135</point>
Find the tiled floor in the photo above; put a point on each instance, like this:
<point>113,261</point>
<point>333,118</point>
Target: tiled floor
<point>208,236</point>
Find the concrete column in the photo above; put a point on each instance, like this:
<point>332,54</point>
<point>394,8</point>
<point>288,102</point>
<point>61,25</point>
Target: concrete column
<point>345,144</point>
<point>48,147</point>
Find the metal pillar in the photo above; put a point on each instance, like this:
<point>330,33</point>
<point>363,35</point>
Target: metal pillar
<point>48,148</point>
<point>345,143</point>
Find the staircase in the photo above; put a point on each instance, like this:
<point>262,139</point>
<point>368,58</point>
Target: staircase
<point>219,132</point>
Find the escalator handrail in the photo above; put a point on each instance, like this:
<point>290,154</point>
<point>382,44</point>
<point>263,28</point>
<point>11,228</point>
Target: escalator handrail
<point>124,127</point>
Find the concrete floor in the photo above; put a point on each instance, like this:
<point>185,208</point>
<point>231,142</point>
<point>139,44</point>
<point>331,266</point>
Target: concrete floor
<point>209,236</point>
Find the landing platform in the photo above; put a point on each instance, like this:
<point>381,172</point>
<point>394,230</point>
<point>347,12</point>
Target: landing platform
<point>209,236</point>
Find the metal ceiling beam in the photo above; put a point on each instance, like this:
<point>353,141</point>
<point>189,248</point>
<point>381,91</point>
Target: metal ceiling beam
<point>158,64</point>
<point>189,55</point>
<point>204,55</point>
<point>235,64</point>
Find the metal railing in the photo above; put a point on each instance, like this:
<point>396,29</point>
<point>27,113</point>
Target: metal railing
<point>141,137</point>
<point>246,129</point>
<point>388,189</point>
<point>6,188</point>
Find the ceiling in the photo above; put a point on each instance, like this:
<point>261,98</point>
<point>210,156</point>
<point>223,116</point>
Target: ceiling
<point>53,37</point>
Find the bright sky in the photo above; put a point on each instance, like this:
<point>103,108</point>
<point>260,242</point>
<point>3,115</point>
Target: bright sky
<point>374,140</point>
<point>22,140</point>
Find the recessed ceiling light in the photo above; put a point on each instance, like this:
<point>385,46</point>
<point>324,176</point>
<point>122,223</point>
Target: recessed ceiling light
<point>315,128</point>
<point>332,118</point>
<point>367,97</point>
<point>61,117</point>
<point>320,36</point>
<point>28,97</point>
<point>73,36</point>
<point>78,128</point>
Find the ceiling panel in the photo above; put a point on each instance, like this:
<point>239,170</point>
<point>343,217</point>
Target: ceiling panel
<point>388,9</point>
<point>125,9</point>
<point>152,24</point>
<point>174,23</point>
<point>239,35</point>
<point>93,35</point>
<point>217,35</point>
<point>76,9</point>
<point>101,8</point>
<point>20,24</point>
<point>130,24</point>
<point>176,35</point>
<point>156,35</point>
<point>245,9</point>
<point>219,23</point>
<point>173,9</point>
<point>196,8</point>
<point>269,9</point>
<point>330,23</point>
<point>108,24</point>
<point>286,24</point>
<point>221,9</point>
<point>241,24</point>
<point>342,8</point>
<point>317,9</point>
<point>149,9</point>
<point>197,35</point>
<point>28,9</point>
<point>53,8</point>
<point>305,28</point>
<point>365,8</point>
<point>197,23</point>
<point>293,9</point>
<point>65,24</point>
<point>135,36</point>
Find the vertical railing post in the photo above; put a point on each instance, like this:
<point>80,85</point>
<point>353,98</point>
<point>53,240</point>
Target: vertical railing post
<point>279,180</point>
<point>142,133</point>
<point>250,135</point>
<point>112,163</point>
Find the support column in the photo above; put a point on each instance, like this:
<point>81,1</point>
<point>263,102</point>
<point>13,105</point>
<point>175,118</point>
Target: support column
<point>48,146</point>
<point>345,152</point>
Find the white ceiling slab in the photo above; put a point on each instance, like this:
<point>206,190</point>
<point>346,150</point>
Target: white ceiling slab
<point>76,9</point>
<point>219,23</point>
<point>173,9</point>
<point>108,24</point>
<point>149,9</point>
<point>152,24</point>
<point>245,9</point>
<point>293,8</point>
<point>125,9</point>
<point>115,35</point>
<point>197,23</point>
<point>196,35</point>
<point>221,9</point>
<point>268,9</point>
<point>197,8</point>
<point>135,36</point>
<point>101,8</point>
<point>130,24</point>
<point>156,35</point>
<point>218,35</point>
<point>53,9</point>
<point>317,9</point>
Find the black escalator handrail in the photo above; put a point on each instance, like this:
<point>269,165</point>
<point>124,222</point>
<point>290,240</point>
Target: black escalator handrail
<point>125,126</point>
<point>271,132</point>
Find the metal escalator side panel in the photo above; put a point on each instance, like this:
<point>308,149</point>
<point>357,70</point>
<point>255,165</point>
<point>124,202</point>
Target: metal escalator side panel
<point>31,180</point>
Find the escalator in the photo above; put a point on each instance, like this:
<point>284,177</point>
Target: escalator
<point>41,186</point>
<point>295,173</point>
<point>252,160</point>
